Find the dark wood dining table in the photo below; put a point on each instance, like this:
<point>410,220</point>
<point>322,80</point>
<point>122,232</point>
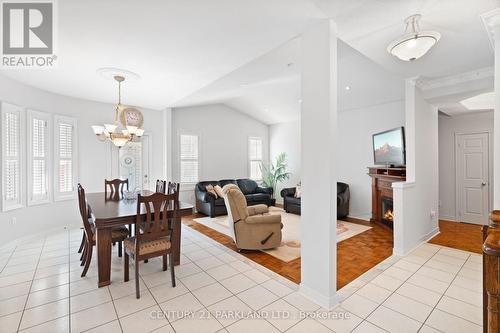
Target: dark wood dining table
<point>115,211</point>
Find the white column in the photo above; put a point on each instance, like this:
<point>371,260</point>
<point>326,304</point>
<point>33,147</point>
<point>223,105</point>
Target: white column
<point>167,144</point>
<point>319,179</point>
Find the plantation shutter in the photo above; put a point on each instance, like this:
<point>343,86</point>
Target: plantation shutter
<point>38,149</point>
<point>11,157</point>
<point>65,150</point>
<point>255,158</point>
<point>189,158</point>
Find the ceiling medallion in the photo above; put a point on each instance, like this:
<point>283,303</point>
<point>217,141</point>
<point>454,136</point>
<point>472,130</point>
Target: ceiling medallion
<point>127,123</point>
<point>414,43</point>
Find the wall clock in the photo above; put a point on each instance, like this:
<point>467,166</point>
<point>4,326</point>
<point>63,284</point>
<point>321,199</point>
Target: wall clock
<point>131,117</point>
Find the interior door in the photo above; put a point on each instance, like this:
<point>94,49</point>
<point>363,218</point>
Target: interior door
<point>472,168</point>
<point>134,164</point>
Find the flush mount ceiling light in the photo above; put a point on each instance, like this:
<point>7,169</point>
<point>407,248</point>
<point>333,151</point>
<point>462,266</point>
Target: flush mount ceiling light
<point>414,43</point>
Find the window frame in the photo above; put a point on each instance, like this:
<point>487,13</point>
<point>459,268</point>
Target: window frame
<point>20,202</point>
<point>250,160</point>
<point>198,159</point>
<point>58,119</point>
<point>33,114</point>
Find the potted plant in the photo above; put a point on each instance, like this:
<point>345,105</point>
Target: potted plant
<point>275,173</point>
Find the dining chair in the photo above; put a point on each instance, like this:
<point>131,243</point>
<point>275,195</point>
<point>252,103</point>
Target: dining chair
<point>154,238</point>
<point>173,188</point>
<point>161,186</point>
<point>118,234</point>
<point>116,186</point>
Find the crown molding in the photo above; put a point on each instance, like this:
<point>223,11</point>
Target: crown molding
<point>447,81</point>
<point>491,21</point>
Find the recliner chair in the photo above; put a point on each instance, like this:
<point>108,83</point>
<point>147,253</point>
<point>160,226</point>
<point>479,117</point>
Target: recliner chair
<point>253,227</point>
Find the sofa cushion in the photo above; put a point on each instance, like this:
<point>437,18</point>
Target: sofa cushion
<point>292,200</point>
<point>202,186</point>
<point>259,196</point>
<point>247,186</point>
<point>219,202</point>
<point>224,182</point>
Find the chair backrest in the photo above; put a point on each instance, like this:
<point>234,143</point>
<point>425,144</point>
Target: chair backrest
<point>173,188</point>
<point>84,211</point>
<point>236,206</point>
<point>161,186</point>
<point>160,210</point>
<point>116,186</point>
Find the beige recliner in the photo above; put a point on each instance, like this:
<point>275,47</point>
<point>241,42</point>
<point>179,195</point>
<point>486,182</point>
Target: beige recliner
<point>253,227</point>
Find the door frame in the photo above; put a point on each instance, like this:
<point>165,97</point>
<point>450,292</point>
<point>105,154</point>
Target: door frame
<point>490,169</point>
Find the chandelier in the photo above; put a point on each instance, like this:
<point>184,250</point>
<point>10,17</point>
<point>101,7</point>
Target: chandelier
<point>414,43</point>
<point>127,124</point>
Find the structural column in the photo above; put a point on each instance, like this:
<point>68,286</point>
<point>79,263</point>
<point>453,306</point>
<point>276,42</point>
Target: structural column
<point>496,128</point>
<point>167,144</point>
<point>319,179</point>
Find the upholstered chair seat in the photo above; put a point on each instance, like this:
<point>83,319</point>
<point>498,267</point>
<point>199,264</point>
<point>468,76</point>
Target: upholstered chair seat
<point>146,247</point>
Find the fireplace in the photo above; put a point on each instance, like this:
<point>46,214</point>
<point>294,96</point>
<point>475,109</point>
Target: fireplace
<point>387,211</point>
<point>382,196</point>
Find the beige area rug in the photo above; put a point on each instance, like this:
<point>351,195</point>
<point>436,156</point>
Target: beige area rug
<point>290,244</point>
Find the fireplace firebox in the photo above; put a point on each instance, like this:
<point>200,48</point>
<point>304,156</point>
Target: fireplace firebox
<point>387,211</point>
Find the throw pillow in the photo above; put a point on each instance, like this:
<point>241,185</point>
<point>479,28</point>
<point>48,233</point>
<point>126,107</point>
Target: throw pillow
<point>219,191</point>
<point>211,189</point>
<point>297,192</point>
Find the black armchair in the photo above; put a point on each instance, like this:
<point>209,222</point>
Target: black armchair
<point>292,204</point>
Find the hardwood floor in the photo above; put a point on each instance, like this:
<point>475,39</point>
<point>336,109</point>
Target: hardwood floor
<point>462,236</point>
<point>357,254</point>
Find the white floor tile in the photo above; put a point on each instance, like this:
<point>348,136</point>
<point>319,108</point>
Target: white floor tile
<point>367,327</point>
<point>130,304</point>
<point>166,292</point>
<point>202,322</point>
<point>374,293</point>
<point>408,307</point>
<point>146,320</point>
<point>211,294</point>
<point>257,297</point>
<point>428,283</point>
<point>277,288</point>
<point>92,317</point>
<point>419,294</point>
<point>252,325</point>
<point>461,309</point>
<point>237,283</point>
<point>12,305</point>
<point>465,295</point>
<point>446,322</point>
<point>198,280</point>
<point>178,307</point>
<point>359,305</point>
<point>47,295</point>
<point>393,321</point>
<point>44,313</point>
<point>282,315</point>
<point>60,325</point>
<point>10,322</point>
<point>230,310</point>
<point>338,320</point>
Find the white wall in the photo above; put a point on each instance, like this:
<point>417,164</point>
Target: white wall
<point>285,138</point>
<point>448,127</point>
<point>355,154</point>
<point>224,134</point>
<point>93,156</point>
<point>417,199</point>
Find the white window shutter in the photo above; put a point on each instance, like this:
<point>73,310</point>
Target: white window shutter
<point>11,129</point>
<point>65,157</point>
<point>38,157</point>
<point>255,158</point>
<point>189,158</point>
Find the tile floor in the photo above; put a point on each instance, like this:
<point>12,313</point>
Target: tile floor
<point>433,289</point>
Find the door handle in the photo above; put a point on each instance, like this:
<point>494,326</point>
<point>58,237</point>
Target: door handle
<point>484,184</point>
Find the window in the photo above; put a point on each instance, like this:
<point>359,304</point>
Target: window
<point>65,157</point>
<point>38,157</point>
<point>255,158</point>
<point>189,158</point>
<point>12,157</point>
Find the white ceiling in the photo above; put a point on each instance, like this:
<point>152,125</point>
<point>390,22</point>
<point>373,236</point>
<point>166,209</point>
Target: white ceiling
<point>177,47</point>
<point>191,52</point>
<point>269,88</point>
<point>370,25</point>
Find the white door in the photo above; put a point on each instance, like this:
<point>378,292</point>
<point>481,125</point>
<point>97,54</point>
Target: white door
<point>134,164</point>
<point>472,168</point>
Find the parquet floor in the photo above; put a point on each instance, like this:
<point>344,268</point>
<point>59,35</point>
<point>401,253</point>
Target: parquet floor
<point>462,236</point>
<point>357,254</point>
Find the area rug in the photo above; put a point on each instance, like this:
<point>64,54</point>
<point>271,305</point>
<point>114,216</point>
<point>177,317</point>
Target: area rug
<point>290,244</point>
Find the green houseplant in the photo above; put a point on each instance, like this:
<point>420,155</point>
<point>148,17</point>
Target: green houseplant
<point>275,173</point>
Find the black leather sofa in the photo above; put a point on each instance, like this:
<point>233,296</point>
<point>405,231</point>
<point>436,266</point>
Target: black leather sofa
<point>207,204</point>
<point>292,204</point>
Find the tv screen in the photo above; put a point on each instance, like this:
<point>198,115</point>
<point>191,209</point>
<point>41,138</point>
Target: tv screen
<point>389,147</point>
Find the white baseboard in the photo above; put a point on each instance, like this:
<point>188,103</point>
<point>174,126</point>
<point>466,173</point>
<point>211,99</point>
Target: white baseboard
<point>423,239</point>
<point>325,302</point>
<point>363,217</point>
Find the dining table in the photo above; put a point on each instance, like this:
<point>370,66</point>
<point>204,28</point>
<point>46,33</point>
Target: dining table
<point>110,211</point>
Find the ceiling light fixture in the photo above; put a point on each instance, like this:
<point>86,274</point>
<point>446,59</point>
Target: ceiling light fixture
<point>414,43</point>
<point>131,120</point>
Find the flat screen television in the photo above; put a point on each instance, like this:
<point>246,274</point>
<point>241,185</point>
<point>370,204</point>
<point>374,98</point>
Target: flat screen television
<point>389,147</point>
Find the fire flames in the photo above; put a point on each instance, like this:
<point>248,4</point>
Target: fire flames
<point>389,215</point>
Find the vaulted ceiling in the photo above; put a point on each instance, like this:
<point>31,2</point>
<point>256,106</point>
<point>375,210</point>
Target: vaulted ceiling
<point>197,51</point>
